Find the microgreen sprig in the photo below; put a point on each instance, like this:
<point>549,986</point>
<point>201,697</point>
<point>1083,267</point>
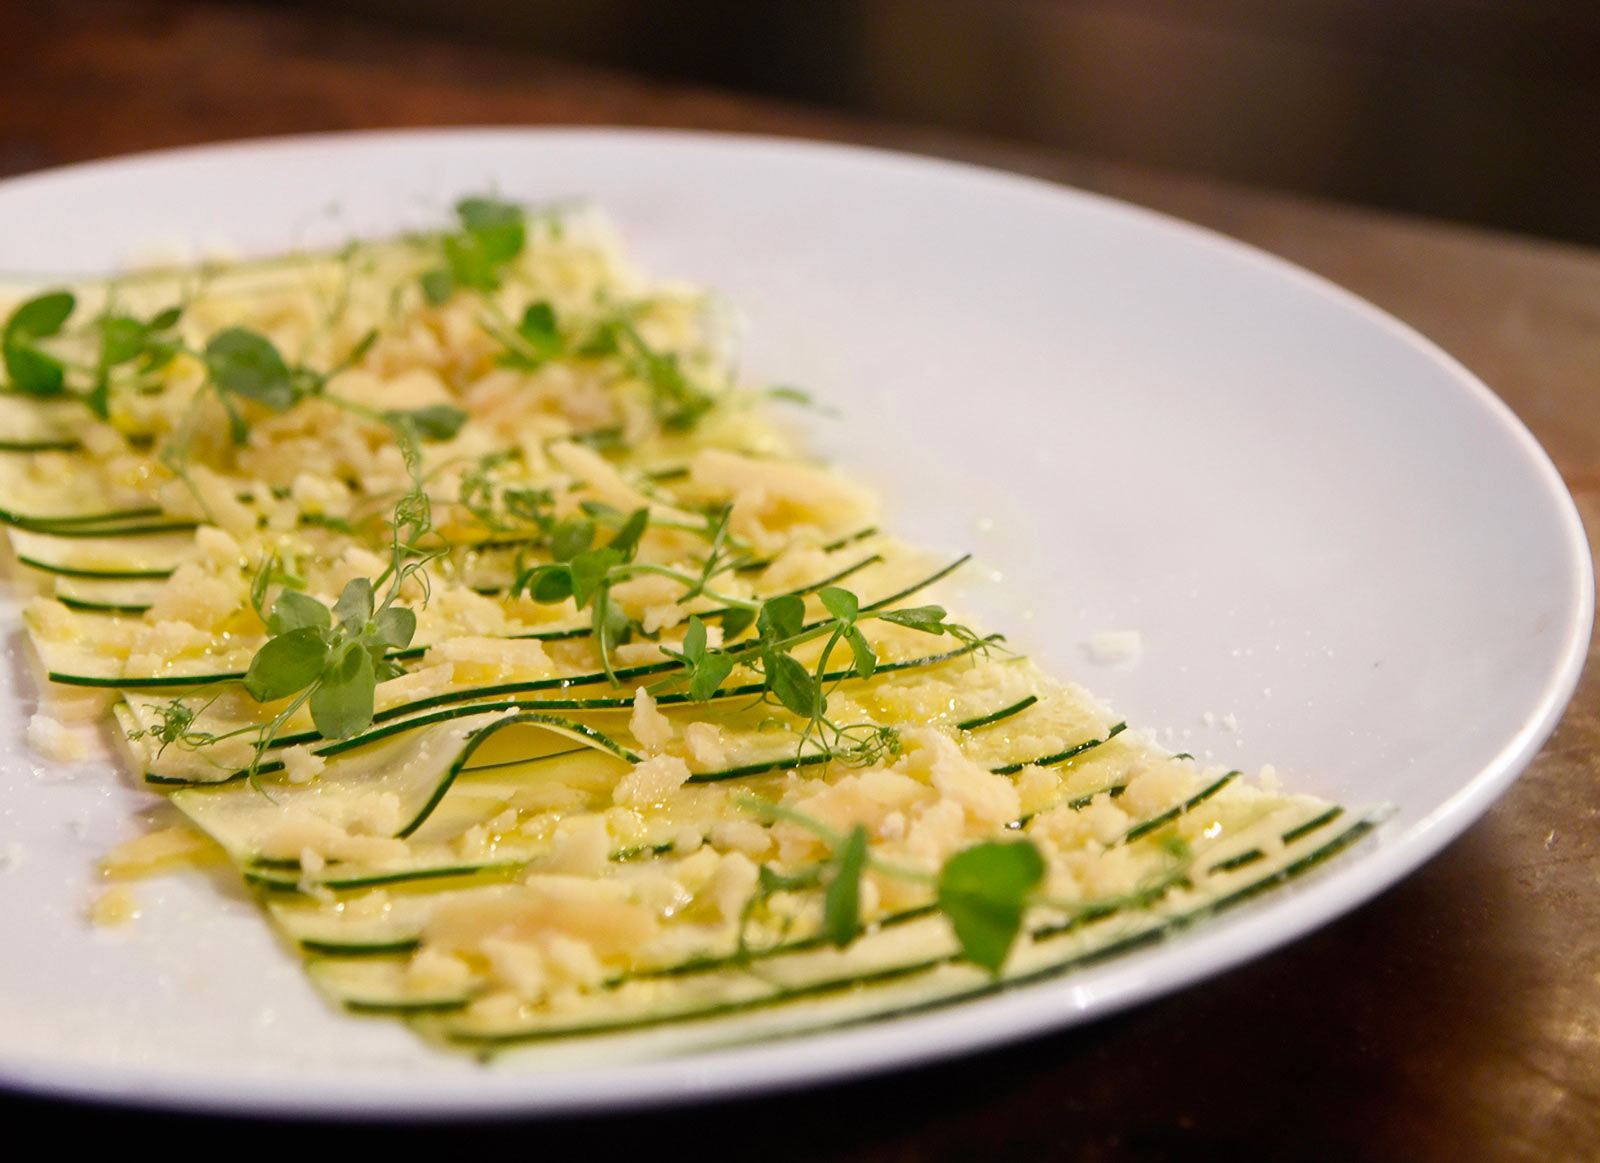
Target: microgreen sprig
<point>537,338</point>
<point>490,234</point>
<point>780,629</point>
<point>28,366</point>
<point>532,342</point>
<point>244,366</point>
<point>506,508</point>
<point>983,891</point>
<point>678,400</point>
<point>118,340</point>
<point>585,573</point>
<point>174,725</point>
<point>334,658</point>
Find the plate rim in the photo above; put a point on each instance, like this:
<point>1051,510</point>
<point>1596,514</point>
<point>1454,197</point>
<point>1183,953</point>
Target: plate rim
<point>959,1029</point>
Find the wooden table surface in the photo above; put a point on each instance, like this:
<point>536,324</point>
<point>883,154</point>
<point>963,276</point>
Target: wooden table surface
<point>1456,1017</point>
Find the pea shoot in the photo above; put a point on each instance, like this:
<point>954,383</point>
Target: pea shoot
<point>37,348</point>
<point>501,508</point>
<point>490,235</point>
<point>244,367</point>
<point>984,891</point>
<point>585,572</point>
<point>803,691</point>
<point>329,659</point>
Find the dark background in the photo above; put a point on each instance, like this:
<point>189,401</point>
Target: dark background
<point>1483,111</point>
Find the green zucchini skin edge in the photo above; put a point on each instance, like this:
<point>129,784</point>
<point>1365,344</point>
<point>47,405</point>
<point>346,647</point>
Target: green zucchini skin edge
<point>1062,756</point>
<point>1172,813</point>
<point>999,716</point>
<point>488,731</point>
<point>98,574</point>
<point>173,682</point>
<point>1076,803</point>
<point>89,607</point>
<point>1129,944</point>
<point>263,880</point>
<point>64,444</point>
<point>461,707</point>
<point>88,526</point>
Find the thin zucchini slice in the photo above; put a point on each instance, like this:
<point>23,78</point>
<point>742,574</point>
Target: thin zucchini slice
<point>891,972</point>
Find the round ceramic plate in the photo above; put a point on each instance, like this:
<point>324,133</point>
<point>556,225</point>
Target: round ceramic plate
<point>1344,556</point>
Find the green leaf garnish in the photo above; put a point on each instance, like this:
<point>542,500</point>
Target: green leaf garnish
<point>866,660</point>
<point>33,371</point>
<point>538,331</point>
<point>491,234</point>
<point>928,619</point>
<point>841,603</point>
<point>841,903</point>
<point>498,226</point>
<point>438,286</point>
<point>984,892</point>
<point>123,338</point>
<point>736,621</point>
<point>433,422</point>
<point>30,369</point>
<point>243,363</point>
<point>287,664</point>
<point>342,702</point>
<point>294,610</point>
<point>395,627</point>
<point>781,617</point>
<point>626,541</point>
<point>793,686</point>
<point>572,538</point>
<point>791,395</point>
<point>355,604</point>
<point>43,315</point>
<point>165,320</point>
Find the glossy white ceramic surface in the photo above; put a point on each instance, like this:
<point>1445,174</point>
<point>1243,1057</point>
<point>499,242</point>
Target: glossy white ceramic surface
<point>1343,554</point>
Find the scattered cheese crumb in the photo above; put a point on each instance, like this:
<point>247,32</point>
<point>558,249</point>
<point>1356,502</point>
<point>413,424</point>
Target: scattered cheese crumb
<point>581,847</point>
<point>650,727</point>
<point>53,741</point>
<point>706,745</point>
<point>652,781</point>
<point>300,765</point>
<point>744,836</point>
<point>435,972</point>
<point>687,841</point>
<point>1116,648</point>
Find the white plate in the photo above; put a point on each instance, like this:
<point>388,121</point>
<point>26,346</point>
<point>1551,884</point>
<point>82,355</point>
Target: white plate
<point>1344,555</point>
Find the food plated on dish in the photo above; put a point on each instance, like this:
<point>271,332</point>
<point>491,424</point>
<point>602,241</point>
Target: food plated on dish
<point>1137,424</point>
<point>455,588</point>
